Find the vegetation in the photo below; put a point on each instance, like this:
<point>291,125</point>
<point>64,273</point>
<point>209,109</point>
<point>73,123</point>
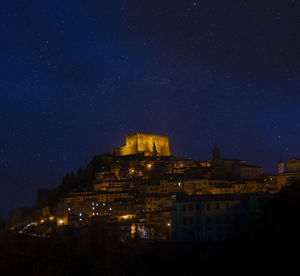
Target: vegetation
<point>82,180</point>
<point>48,198</point>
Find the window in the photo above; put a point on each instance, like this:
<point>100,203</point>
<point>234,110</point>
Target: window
<point>207,206</point>
<point>191,220</point>
<point>183,208</point>
<point>184,221</point>
<point>191,207</point>
<point>208,220</point>
<point>217,206</point>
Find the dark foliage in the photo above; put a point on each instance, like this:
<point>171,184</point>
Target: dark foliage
<point>83,180</point>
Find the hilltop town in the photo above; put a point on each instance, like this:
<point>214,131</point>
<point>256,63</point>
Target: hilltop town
<point>142,190</point>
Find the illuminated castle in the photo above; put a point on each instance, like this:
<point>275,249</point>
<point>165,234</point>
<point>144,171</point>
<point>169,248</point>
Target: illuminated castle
<point>147,144</point>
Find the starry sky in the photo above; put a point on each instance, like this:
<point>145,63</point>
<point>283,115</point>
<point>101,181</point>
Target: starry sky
<point>76,76</point>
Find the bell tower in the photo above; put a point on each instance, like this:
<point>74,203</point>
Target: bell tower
<point>216,153</point>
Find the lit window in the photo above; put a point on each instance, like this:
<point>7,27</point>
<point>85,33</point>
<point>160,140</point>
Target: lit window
<point>69,209</point>
<point>93,214</point>
<point>93,203</point>
<point>97,214</point>
<point>93,208</point>
<point>80,214</point>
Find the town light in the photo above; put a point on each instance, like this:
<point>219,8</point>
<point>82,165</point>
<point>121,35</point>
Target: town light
<point>51,218</point>
<point>61,221</point>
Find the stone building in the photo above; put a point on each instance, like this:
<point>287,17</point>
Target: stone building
<point>291,173</point>
<point>233,168</point>
<point>213,218</point>
<point>142,143</point>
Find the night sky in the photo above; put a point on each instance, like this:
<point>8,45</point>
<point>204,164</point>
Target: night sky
<point>76,76</point>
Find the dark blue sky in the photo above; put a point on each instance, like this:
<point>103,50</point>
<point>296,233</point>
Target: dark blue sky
<point>76,76</point>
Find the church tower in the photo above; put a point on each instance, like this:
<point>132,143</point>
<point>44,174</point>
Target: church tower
<point>216,153</point>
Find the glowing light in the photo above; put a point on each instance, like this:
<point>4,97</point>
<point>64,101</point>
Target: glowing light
<point>61,221</point>
<point>133,229</point>
<point>51,218</point>
<point>42,221</point>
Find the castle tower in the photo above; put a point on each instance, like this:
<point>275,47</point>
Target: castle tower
<point>142,143</point>
<point>216,153</point>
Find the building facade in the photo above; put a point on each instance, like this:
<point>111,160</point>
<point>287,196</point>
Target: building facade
<point>148,144</point>
<point>213,218</point>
